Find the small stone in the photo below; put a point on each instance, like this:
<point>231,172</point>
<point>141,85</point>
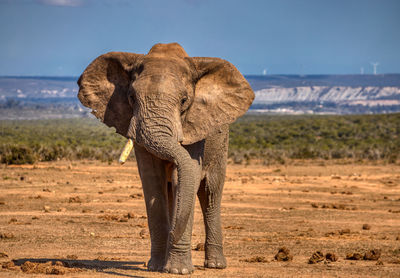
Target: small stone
<point>331,257</point>
<point>28,267</point>
<point>75,199</point>
<point>200,247</point>
<point>317,257</point>
<point>6,235</point>
<point>92,234</point>
<point>8,265</point>
<point>136,195</point>
<point>59,263</point>
<point>256,259</point>
<point>372,255</point>
<point>283,255</point>
<point>3,255</point>
<point>344,231</point>
<point>354,256</point>
<point>46,208</point>
<point>13,220</point>
<point>366,227</point>
<point>143,233</point>
<point>379,262</point>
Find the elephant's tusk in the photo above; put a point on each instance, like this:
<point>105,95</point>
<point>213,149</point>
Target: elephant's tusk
<point>126,151</point>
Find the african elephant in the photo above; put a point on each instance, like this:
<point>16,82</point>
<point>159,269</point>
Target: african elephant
<point>177,110</point>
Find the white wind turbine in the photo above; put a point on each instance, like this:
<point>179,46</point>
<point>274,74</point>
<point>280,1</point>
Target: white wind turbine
<point>375,65</point>
<point>264,72</point>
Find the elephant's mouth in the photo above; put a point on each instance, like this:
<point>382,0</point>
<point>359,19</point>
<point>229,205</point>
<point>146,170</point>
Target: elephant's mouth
<point>126,151</point>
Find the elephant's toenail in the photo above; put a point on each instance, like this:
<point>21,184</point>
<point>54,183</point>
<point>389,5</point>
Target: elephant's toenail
<point>185,271</point>
<point>219,265</point>
<point>174,271</point>
<point>211,264</point>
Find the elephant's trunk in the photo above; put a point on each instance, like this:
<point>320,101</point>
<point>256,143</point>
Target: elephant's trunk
<point>166,147</point>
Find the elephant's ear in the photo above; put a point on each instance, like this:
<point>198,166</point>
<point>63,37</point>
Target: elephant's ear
<point>222,95</point>
<point>104,85</point>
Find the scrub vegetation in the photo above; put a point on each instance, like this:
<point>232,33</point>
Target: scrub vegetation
<point>279,138</point>
<point>266,138</point>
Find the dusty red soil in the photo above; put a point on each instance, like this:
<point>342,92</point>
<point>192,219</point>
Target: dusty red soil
<point>87,219</point>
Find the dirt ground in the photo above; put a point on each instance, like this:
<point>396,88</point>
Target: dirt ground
<point>87,219</point>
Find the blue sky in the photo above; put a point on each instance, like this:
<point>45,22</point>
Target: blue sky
<point>61,37</point>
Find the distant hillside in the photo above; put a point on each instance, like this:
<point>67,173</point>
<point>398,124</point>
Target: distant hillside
<point>55,97</point>
<point>259,82</point>
<point>39,98</point>
<point>334,94</point>
<point>38,87</point>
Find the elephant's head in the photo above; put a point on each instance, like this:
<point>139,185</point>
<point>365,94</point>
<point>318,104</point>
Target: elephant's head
<point>164,99</point>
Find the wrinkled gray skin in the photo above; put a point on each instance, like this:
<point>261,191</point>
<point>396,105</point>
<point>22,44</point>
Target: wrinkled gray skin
<point>177,110</point>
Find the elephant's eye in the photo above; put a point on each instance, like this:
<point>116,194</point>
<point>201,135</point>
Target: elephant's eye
<point>184,99</point>
<point>131,99</point>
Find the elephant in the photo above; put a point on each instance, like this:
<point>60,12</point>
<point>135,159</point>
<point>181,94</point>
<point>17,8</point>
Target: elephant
<point>177,110</point>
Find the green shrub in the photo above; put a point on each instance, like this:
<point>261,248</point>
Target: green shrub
<point>17,155</point>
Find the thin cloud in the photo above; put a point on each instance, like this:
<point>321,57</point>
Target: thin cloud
<point>64,3</point>
<point>78,3</point>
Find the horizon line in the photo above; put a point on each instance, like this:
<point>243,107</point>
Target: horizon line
<point>249,75</point>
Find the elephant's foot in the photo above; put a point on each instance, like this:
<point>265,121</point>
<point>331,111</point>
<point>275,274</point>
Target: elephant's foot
<point>214,256</point>
<point>179,262</point>
<point>156,262</point>
<point>155,265</point>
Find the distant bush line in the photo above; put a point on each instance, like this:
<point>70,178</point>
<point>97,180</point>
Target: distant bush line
<point>270,139</point>
<point>28,141</point>
<point>279,138</point>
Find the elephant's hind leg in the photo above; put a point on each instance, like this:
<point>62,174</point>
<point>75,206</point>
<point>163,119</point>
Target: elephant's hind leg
<point>154,183</point>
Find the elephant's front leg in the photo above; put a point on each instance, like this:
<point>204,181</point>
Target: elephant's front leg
<point>210,195</point>
<point>154,183</point>
<point>179,256</point>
